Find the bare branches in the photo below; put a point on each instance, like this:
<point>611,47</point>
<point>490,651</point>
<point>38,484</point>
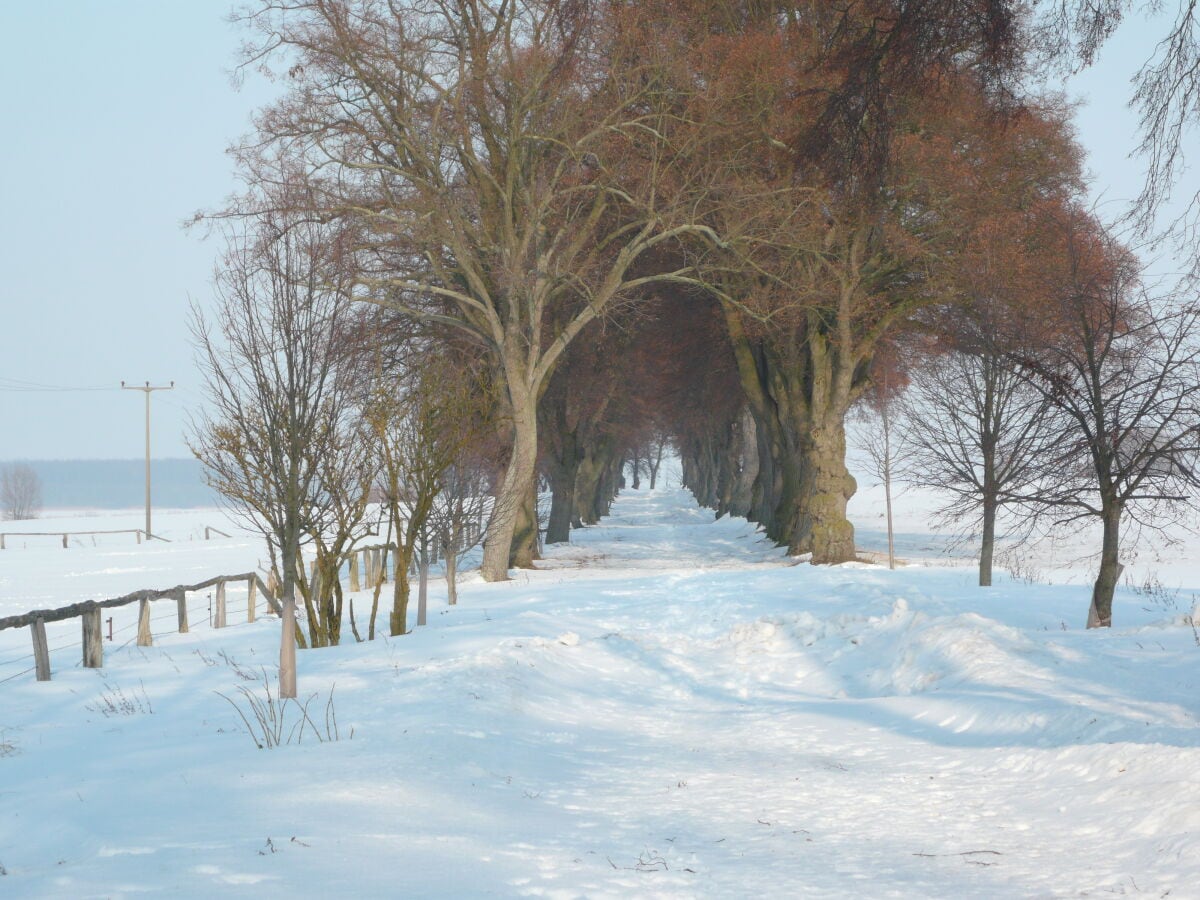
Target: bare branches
<point>20,491</point>
<point>280,442</point>
<point>1121,373</point>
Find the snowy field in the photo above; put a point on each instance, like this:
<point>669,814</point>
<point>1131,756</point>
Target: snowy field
<point>669,707</point>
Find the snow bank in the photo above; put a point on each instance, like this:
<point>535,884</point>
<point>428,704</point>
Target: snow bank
<point>669,707</point>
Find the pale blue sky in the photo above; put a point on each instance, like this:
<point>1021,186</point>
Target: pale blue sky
<point>116,115</point>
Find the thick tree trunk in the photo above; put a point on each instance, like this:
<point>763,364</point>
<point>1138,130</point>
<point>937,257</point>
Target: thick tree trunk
<point>562,485</point>
<point>747,466</point>
<point>728,455</point>
<point>1100,613</point>
<point>588,485</point>
<point>822,526</point>
<point>525,534</point>
<point>516,487</point>
<point>611,484</point>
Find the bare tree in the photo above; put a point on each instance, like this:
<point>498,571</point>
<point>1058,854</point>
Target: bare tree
<point>20,491</point>
<point>457,517</point>
<point>346,472</point>
<point>656,446</point>
<point>423,417</point>
<point>974,431</point>
<point>885,454</point>
<point>1122,374</point>
<point>279,411</point>
<point>481,150</point>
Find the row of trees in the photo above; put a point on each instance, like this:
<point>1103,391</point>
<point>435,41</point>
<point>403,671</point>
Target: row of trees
<point>549,236</point>
<point>1091,413</point>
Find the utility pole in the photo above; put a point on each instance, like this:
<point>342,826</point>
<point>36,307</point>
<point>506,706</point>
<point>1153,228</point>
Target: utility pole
<point>147,390</point>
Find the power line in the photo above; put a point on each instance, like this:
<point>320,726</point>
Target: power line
<point>19,385</point>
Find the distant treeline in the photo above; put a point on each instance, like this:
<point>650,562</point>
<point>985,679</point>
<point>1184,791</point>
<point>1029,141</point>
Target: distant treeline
<point>120,483</point>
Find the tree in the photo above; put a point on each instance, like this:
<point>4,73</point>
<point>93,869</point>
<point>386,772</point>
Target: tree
<point>281,412</point>
<point>1121,371</point>
<point>20,491</point>
<point>814,275</point>
<point>880,408</point>
<point>424,416</point>
<point>480,151</point>
<point>974,431</point>
<point>457,517</point>
<point>346,471</point>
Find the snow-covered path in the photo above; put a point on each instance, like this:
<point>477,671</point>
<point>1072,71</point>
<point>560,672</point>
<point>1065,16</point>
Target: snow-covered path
<point>668,707</point>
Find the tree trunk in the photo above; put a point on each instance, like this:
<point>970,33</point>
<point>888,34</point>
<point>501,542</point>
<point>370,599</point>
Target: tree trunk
<point>587,487</point>
<point>742,495</point>
<point>423,585</point>
<point>452,573</point>
<point>987,546</point>
<point>525,533</point>
<point>515,488</point>
<point>287,649</point>
<point>823,528</point>
<point>563,473</point>
<point>885,418</point>
<point>287,639</point>
<point>562,503</point>
<point>1100,613</point>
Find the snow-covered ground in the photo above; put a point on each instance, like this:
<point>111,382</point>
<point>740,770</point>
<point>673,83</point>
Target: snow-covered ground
<point>669,707</point>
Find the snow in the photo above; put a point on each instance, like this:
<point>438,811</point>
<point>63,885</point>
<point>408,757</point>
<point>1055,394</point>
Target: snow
<point>668,707</point>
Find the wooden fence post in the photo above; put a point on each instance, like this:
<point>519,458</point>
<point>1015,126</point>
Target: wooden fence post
<point>251,591</point>
<point>41,650</point>
<point>353,563</point>
<point>144,638</point>
<point>64,542</point>
<point>181,609</point>
<point>219,614</point>
<point>2,547</point>
<point>93,639</point>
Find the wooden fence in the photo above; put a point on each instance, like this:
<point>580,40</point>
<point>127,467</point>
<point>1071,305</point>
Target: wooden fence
<point>89,613</point>
<point>209,531</point>
<point>374,561</point>
<point>68,534</point>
